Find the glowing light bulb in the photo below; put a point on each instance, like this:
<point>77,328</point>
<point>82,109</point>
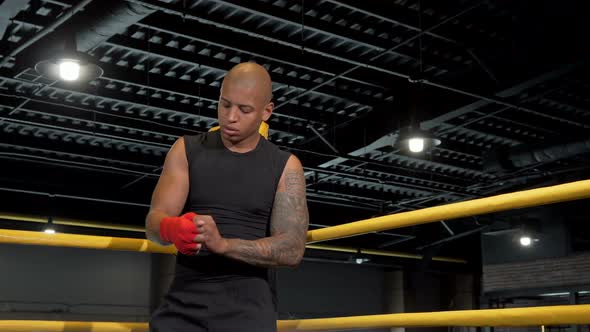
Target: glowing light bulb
<point>416,144</point>
<point>50,231</point>
<point>525,241</point>
<point>69,70</point>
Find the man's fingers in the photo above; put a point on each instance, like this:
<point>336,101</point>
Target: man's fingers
<point>201,221</point>
<point>199,239</point>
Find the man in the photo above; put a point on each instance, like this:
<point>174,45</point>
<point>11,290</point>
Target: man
<point>234,206</point>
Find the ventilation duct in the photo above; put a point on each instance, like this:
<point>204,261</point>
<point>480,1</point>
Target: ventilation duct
<point>111,18</point>
<point>523,156</point>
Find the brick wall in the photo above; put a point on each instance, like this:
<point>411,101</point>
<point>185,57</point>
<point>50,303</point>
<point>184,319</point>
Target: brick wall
<point>548,301</point>
<point>554,272</point>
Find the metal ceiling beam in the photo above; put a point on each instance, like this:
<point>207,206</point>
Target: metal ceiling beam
<point>372,165</point>
<point>507,131</point>
<point>98,125</point>
<point>463,133</point>
<point>438,165</point>
<point>506,93</point>
<point>244,45</point>
<point>99,129</point>
<point>96,132</point>
<point>335,31</point>
<point>370,182</point>
<point>103,115</point>
<point>314,177</point>
<point>73,197</point>
<point>80,132</point>
<point>551,114</point>
<point>38,151</point>
<point>469,147</point>
<point>500,184</point>
<point>353,7</point>
<point>582,110</point>
<point>192,91</point>
<point>309,114</point>
<point>527,123</point>
<point>463,151</point>
<point>209,62</point>
<point>250,40</point>
<point>107,95</point>
<point>153,23</point>
<point>141,103</point>
<point>61,162</point>
<point>442,165</point>
<point>83,118</point>
<point>438,157</point>
<point>55,140</point>
<point>255,41</point>
<point>293,19</point>
<point>392,178</point>
<point>474,33</point>
<point>350,193</point>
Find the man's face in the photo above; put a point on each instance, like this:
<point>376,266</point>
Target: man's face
<point>241,109</point>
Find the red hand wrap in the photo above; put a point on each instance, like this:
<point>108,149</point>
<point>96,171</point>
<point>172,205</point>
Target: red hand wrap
<point>181,231</point>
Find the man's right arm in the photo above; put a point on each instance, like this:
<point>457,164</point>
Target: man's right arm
<point>171,191</point>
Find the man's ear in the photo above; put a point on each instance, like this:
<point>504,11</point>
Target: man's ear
<point>267,112</point>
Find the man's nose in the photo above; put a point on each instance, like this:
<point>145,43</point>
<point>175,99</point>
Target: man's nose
<point>233,114</point>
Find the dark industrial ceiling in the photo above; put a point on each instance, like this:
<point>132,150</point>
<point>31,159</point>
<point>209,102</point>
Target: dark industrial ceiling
<point>505,85</point>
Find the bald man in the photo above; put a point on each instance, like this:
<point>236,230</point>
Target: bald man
<point>234,206</point>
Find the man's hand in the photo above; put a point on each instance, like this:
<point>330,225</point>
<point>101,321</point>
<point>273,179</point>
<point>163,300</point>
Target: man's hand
<point>209,234</point>
<point>182,232</point>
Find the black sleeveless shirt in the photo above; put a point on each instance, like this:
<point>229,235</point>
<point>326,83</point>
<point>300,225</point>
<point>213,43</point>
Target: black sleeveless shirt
<point>238,191</point>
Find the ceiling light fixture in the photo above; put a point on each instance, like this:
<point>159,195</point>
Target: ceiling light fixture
<point>49,229</point>
<point>69,65</point>
<point>416,140</point>
<point>413,138</point>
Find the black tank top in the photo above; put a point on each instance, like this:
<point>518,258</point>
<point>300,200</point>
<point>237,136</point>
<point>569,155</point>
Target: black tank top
<point>238,190</point>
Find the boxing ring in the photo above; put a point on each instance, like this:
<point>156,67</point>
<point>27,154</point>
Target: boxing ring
<point>513,317</point>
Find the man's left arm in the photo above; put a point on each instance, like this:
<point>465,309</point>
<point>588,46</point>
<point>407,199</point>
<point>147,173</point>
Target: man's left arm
<point>289,222</point>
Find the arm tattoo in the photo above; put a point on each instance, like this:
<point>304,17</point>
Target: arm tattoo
<point>289,222</point>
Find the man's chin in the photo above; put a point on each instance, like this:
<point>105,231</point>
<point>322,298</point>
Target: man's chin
<point>231,138</point>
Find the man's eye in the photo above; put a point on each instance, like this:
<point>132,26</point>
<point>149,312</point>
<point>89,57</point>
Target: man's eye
<point>225,105</point>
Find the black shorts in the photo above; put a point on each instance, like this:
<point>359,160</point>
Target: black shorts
<point>236,305</point>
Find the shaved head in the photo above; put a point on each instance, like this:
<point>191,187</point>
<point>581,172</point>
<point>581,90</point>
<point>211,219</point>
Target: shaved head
<point>244,103</point>
<point>252,76</point>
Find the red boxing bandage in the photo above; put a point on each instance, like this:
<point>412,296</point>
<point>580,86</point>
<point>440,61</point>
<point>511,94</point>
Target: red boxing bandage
<point>181,231</point>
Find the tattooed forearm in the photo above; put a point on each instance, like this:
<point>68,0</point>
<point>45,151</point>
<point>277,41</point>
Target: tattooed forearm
<point>289,222</point>
<point>272,251</point>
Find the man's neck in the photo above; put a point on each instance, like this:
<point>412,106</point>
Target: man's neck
<point>243,146</point>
